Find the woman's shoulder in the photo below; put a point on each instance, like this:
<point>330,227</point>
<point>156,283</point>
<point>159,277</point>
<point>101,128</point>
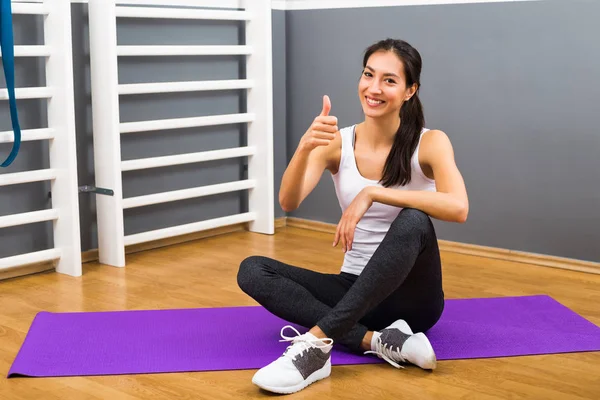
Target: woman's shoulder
<point>435,143</point>
<point>431,137</point>
<point>433,147</point>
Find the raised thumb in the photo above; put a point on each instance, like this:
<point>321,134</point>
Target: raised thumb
<point>326,106</point>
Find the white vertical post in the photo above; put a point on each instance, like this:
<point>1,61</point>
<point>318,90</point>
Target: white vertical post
<point>61,118</point>
<point>260,102</point>
<point>107,139</point>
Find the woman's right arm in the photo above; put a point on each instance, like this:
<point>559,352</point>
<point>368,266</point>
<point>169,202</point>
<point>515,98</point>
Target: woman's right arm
<point>312,157</point>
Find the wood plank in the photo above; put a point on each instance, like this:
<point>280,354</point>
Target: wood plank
<point>176,277</point>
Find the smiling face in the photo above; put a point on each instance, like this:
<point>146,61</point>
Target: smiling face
<point>382,87</point>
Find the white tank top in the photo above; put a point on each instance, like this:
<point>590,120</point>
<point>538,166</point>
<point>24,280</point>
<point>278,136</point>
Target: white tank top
<point>373,226</point>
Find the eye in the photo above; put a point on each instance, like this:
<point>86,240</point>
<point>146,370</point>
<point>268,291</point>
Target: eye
<point>390,80</point>
<point>368,74</point>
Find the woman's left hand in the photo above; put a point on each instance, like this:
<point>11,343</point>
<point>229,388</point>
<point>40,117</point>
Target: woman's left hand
<point>355,211</point>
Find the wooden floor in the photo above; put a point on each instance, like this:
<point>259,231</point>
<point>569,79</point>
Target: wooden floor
<point>203,274</point>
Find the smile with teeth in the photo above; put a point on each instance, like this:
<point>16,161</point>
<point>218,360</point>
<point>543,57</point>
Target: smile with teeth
<point>373,102</point>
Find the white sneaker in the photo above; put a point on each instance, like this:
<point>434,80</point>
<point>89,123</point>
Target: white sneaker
<point>397,344</point>
<point>305,361</point>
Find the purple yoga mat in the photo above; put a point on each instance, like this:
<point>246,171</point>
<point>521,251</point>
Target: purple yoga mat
<point>209,339</point>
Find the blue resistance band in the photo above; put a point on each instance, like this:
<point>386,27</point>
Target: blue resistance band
<point>8,62</point>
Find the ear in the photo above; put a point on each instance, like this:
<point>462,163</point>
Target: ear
<point>410,92</point>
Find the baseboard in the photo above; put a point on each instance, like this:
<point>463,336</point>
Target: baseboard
<point>27,270</point>
<point>445,245</point>
<point>280,222</point>
<point>520,256</point>
<point>477,250</point>
<point>310,225</point>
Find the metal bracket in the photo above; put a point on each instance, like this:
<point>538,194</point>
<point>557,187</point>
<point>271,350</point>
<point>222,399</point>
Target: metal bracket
<point>94,189</point>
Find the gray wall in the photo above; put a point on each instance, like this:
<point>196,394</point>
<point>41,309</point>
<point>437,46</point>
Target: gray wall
<point>31,197</point>
<point>514,85</point>
<point>280,107</point>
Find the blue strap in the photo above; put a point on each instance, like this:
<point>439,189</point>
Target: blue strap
<point>8,62</point>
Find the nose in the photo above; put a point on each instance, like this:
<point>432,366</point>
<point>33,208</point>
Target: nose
<point>374,87</point>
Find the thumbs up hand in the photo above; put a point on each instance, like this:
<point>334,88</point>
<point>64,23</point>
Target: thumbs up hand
<point>322,130</point>
<point>326,106</point>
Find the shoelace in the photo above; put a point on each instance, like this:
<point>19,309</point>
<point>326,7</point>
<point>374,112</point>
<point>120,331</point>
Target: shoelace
<point>387,353</point>
<point>300,343</point>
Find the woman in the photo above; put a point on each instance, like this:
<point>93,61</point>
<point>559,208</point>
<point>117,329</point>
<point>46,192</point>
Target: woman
<point>391,175</point>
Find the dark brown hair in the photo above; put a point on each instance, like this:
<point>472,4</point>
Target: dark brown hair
<point>397,170</point>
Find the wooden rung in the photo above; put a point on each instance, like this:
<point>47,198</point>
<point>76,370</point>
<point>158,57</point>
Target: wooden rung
<point>188,228</point>
<point>173,87</point>
<point>31,51</point>
<point>183,50</point>
<point>28,93</point>
<point>28,218</point>
<point>27,177</point>
<point>228,4</point>
<point>178,123</point>
<point>181,13</point>
<point>155,162</point>
<point>29,8</point>
<point>30,258</point>
<point>28,135</point>
<point>175,195</point>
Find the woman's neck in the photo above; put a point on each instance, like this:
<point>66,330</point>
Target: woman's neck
<point>379,132</point>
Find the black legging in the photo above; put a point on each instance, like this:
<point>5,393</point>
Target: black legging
<point>402,280</point>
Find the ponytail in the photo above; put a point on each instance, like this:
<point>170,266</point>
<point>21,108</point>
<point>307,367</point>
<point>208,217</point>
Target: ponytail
<point>397,169</point>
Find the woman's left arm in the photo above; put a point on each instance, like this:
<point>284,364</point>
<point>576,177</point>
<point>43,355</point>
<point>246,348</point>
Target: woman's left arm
<point>450,201</point>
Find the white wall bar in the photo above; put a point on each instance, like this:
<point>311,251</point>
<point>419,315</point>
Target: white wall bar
<point>62,173</point>
<point>28,135</point>
<point>181,13</point>
<point>30,258</point>
<point>149,50</point>
<point>28,218</point>
<point>259,67</point>
<point>28,93</point>
<point>27,177</point>
<point>189,158</point>
<point>194,86</point>
<point>188,228</point>
<point>184,194</point>
<point>178,123</point>
<point>63,149</point>
<point>107,139</point>
<point>105,54</point>
<point>29,8</point>
<point>31,51</point>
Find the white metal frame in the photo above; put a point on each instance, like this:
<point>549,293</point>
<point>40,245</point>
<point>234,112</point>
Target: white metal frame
<point>104,54</point>
<point>57,51</point>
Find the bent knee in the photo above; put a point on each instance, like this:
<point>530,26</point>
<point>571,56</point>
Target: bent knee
<point>414,214</point>
<point>246,272</point>
<point>413,217</point>
<point>411,220</point>
<point>250,272</point>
